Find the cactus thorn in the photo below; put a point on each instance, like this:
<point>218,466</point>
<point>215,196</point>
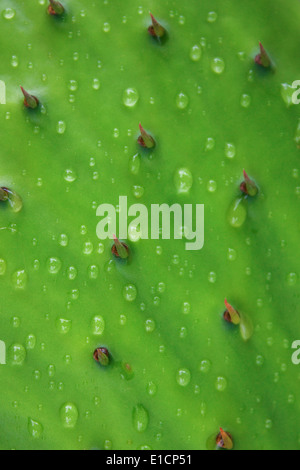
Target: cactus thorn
<point>145,139</point>
<point>102,356</point>
<point>231,315</point>
<point>156,29</point>
<point>263,58</point>
<point>248,186</point>
<point>120,249</point>
<point>224,440</point>
<point>55,8</point>
<point>30,101</point>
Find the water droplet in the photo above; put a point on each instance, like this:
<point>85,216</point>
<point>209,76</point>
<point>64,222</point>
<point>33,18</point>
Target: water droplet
<point>182,100</point>
<point>30,341</point>
<point>70,175</point>
<point>230,150</point>
<point>16,355</point>
<point>151,388</point>
<point>183,377</point>
<point>72,273</point>
<point>245,101</point>
<point>35,429</point>
<point>183,180</point>
<point>8,13</point>
<point>96,84</point>
<point>63,239</point>
<point>130,97</point>
<point>212,186</point>
<point>221,384</point>
<point>237,213</point>
<point>205,366</point>
<point>53,265</point>
<point>231,254</point>
<point>2,267</point>
<point>212,277</point>
<point>292,279</point>
<point>19,279</point>
<point>93,271</point>
<point>69,415</point>
<point>73,85</point>
<point>61,127</point>
<point>210,144</point>
<point>138,191</point>
<point>150,325</point>
<point>14,61</point>
<point>195,53</point>
<point>98,325</point>
<point>212,17</point>
<point>218,65</point>
<point>186,308</point>
<point>259,360</point>
<point>63,325</point>
<point>135,164</point>
<point>130,292</point>
<point>106,27</point>
<point>88,248</point>
<point>140,418</point>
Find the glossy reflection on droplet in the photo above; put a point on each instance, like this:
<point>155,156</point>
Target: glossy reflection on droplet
<point>130,97</point>
<point>140,418</point>
<point>237,213</point>
<point>183,377</point>
<point>69,415</point>
<point>183,180</point>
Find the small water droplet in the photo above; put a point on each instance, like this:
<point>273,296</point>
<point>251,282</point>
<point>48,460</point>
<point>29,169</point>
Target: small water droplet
<point>218,65</point>
<point>212,17</point>
<point>230,150</point>
<point>135,164</point>
<point>63,325</point>
<point>221,384</point>
<point>138,191</point>
<point>183,180</point>
<point>205,366</point>
<point>130,97</point>
<point>19,279</point>
<point>96,84</point>
<point>53,265</point>
<point>140,418</point>
<point>8,13</point>
<point>70,175</point>
<point>130,292</point>
<point>61,127</point>
<point>245,100</point>
<point>182,100</point>
<point>106,27</point>
<point>16,355</point>
<point>2,267</point>
<point>63,239</point>
<point>212,186</point>
<point>150,325</point>
<point>292,279</point>
<point>73,85</point>
<point>72,273</point>
<point>183,377</point>
<point>195,53</point>
<point>69,415</point>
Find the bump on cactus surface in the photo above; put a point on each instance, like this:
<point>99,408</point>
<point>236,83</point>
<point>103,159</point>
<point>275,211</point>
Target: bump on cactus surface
<point>179,371</point>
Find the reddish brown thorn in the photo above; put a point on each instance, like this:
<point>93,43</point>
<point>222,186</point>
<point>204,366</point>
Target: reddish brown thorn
<point>145,139</point>
<point>263,58</point>
<point>119,249</point>
<point>55,8</point>
<point>156,29</point>
<point>248,186</point>
<point>102,356</point>
<point>224,440</point>
<point>231,315</point>
<point>30,101</point>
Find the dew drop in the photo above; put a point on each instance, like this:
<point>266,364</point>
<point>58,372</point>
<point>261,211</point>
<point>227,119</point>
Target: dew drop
<point>130,97</point>
<point>140,418</point>
<point>183,180</point>
<point>245,100</point>
<point>72,273</point>
<point>135,164</point>
<point>70,175</point>
<point>212,186</point>
<point>19,279</point>
<point>63,239</point>
<point>205,366</point>
<point>16,355</point>
<point>35,429</point>
<point>218,66</point>
<point>63,325</point>
<point>231,254</point>
<point>150,325</point>
<point>61,127</point>
<point>69,415</point>
<point>183,377</point>
<point>292,279</point>
<point>230,150</point>
<point>212,17</point>
<point>8,13</point>
<point>30,341</point>
<point>237,213</point>
<point>138,191</point>
<point>98,325</point>
<point>221,384</point>
<point>182,101</point>
<point>130,292</point>
<point>53,265</point>
<point>96,84</point>
<point>195,53</point>
<point>73,85</point>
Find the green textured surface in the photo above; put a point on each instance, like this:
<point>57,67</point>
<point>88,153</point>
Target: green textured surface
<point>260,404</point>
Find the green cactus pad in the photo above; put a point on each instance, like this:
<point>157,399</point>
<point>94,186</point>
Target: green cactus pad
<point>178,372</point>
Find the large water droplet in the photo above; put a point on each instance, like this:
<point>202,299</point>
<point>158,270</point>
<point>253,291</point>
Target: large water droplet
<point>218,66</point>
<point>8,13</point>
<point>53,265</point>
<point>237,213</point>
<point>195,53</point>
<point>140,418</point>
<point>69,415</point>
<point>221,384</point>
<point>70,175</point>
<point>35,429</point>
<point>130,97</point>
